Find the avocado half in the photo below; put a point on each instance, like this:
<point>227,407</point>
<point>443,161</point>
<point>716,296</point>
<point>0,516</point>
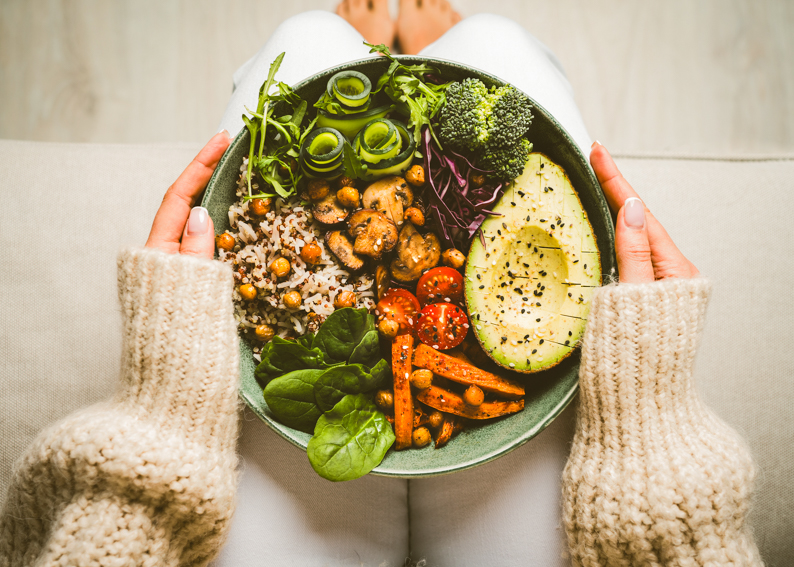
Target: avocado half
<point>530,277</point>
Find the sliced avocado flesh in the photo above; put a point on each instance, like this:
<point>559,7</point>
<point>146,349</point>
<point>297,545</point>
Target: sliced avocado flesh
<point>529,312</point>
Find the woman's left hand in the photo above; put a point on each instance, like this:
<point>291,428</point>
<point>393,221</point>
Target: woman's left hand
<point>178,226</point>
<point>645,251</point>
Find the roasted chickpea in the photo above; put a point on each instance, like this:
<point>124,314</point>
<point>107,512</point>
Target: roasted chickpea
<point>415,215</point>
<point>292,165</point>
<point>384,399</point>
<point>344,299</point>
<point>264,332</point>
<point>259,207</point>
<point>248,291</point>
<point>292,299</point>
<point>389,328</point>
<point>453,258</point>
<point>415,176</point>
<point>311,253</point>
<point>421,379</point>
<point>421,437</point>
<point>348,197</point>
<point>435,419</point>
<point>318,189</point>
<point>474,396</point>
<point>478,180</point>
<point>280,267</point>
<point>345,181</point>
<point>225,241</point>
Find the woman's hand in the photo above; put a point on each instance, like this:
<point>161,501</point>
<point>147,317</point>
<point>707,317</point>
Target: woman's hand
<point>645,251</point>
<point>178,226</point>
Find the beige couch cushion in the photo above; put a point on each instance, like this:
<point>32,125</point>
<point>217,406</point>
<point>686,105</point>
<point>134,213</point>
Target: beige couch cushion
<point>68,208</point>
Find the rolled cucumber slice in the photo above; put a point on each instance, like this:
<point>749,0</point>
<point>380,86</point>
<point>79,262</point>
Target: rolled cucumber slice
<point>393,166</point>
<point>350,88</point>
<point>321,152</point>
<point>350,124</point>
<point>379,140</point>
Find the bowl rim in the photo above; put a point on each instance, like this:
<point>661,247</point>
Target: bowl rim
<point>568,396</point>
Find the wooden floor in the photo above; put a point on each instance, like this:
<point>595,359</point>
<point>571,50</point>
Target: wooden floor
<point>683,76</point>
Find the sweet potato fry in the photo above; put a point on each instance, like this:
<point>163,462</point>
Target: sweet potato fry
<point>464,373</point>
<point>444,400</point>
<point>402,352</point>
<point>445,432</point>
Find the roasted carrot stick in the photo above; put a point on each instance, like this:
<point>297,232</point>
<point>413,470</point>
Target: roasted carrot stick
<point>444,400</point>
<point>402,352</point>
<point>464,373</point>
<point>445,432</point>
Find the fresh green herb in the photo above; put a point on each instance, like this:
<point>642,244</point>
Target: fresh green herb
<point>354,167</point>
<point>350,440</point>
<point>406,85</point>
<point>276,140</point>
<point>291,399</point>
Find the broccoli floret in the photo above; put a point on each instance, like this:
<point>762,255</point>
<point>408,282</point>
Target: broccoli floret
<point>488,125</point>
<point>506,162</point>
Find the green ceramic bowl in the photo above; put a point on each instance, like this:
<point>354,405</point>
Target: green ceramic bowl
<point>548,393</point>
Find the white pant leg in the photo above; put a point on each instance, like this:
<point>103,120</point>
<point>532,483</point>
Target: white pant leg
<point>305,40</point>
<point>506,513</point>
<point>289,516</point>
<point>503,48</point>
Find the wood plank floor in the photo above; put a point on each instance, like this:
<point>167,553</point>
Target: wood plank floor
<point>704,76</point>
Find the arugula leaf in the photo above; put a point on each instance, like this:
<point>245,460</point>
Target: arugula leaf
<point>341,333</point>
<point>354,168</point>
<point>350,440</point>
<point>339,381</point>
<point>291,399</point>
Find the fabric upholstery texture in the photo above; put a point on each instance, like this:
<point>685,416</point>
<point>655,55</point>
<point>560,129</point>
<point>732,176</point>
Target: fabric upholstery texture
<point>69,208</point>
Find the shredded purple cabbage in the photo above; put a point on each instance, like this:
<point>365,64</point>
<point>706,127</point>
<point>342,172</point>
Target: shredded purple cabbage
<point>457,208</point>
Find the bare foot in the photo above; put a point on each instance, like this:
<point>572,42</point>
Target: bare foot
<point>421,22</point>
<point>370,18</point>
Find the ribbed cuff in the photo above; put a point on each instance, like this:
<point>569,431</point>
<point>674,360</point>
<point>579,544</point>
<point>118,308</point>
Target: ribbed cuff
<point>180,360</point>
<point>640,344</point>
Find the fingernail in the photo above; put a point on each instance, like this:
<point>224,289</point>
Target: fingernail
<point>634,213</point>
<point>594,144</point>
<point>198,223</point>
<point>224,131</point>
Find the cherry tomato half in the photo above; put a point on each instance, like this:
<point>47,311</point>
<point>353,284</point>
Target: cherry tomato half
<point>442,325</point>
<point>401,306</point>
<point>439,285</point>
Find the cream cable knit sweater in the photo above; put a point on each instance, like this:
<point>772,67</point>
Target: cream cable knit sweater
<point>653,478</point>
<point>147,479</point>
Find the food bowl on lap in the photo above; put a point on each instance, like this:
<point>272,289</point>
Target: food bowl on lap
<point>547,392</point>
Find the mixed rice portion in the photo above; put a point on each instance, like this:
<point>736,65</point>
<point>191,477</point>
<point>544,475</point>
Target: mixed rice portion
<point>283,232</point>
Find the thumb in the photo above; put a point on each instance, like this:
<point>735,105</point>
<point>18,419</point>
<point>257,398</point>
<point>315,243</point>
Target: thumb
<point>198,238</point>
<point>631,243</point>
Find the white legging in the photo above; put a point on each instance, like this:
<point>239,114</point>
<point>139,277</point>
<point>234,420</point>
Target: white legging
<point>504,513</point>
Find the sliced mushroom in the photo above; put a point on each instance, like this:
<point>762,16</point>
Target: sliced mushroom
<point>375,234</point>
<point>382,277</point>
<point>390,196</point>
<point>329,210</point>
<point>340,245</point>
<point>415,254</point>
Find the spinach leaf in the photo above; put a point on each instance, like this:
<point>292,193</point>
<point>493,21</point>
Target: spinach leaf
<point>350,440</point>
<point>381,372</point>
<point>341,332</point>
<point>291,399</point>
<point>280,356</point>
<point>367,351</point>
<point>339,381</point>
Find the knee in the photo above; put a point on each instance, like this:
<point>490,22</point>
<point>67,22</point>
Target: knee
<point>313,21</point>
<point>493,26</point>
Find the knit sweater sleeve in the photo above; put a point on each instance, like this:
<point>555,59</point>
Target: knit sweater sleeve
<point>654,477</point>
<point>147,478</point>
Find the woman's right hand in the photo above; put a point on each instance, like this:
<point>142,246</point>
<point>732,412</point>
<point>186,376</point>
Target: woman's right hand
<point>645,251</point>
